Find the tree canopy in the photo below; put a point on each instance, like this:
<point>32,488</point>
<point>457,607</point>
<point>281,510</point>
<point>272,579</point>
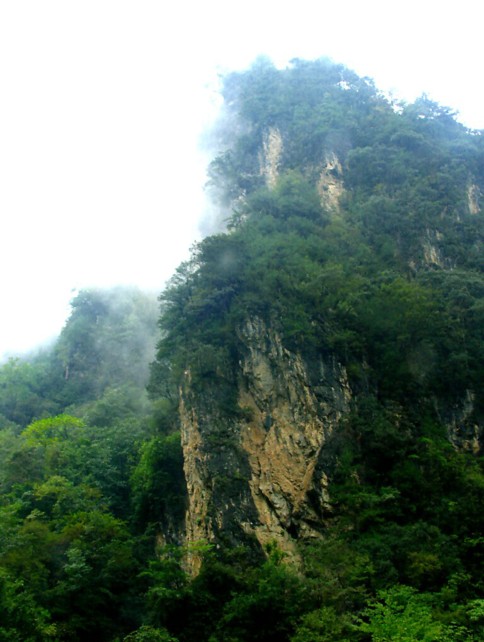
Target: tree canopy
<point>364,243</point>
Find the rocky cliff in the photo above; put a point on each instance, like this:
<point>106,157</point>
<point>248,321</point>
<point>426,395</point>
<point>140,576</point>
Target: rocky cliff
<point>344,302</point>
<point>260,476</point>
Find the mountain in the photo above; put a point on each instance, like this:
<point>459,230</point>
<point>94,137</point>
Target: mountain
<point>106,344</point>
<point>336,326</point>
<point>302,461</point>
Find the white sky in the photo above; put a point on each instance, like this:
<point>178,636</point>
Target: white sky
<point>102,103</point>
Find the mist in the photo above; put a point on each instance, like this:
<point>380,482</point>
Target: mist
<point>103,158</point>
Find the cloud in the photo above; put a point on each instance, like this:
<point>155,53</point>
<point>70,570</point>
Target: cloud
<point>104,103</point>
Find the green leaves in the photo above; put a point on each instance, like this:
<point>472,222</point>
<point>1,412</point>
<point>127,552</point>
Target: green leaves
<point>403,615</point>
<point>51,430</point>
<point>268,610</point>
<point>158,483</point>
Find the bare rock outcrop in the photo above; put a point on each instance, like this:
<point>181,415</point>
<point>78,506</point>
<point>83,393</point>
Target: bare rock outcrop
<point>257,476</point>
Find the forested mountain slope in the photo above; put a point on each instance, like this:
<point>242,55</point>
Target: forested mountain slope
<point>339,319</point>
<point>310,466</point>
<point>72,419</point>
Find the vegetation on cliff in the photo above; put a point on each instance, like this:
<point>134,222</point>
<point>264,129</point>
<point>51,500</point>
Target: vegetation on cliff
<point>361,241</point>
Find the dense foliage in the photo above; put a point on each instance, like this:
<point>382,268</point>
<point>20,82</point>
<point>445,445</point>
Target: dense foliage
<point>387,280</point>
<point>72,419</point>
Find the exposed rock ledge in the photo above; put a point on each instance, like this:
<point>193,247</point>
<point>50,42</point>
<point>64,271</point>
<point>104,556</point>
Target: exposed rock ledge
<point>259,476</point>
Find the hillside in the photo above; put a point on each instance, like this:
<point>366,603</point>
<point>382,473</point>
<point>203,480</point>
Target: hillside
<point>345,299</point>
<point>309,464</point>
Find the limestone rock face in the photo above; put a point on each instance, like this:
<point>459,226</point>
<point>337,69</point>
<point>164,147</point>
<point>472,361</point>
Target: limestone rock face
<point>259,476</point>
<point>464,432</point>
<point>432,252</point>
<point>473,199</point>
<point>270,156</point>
<point>293,412</point>
<point>330,184</point>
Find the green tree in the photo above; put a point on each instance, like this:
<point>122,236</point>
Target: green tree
<point>403,615</point>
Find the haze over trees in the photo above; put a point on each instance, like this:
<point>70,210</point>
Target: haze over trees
<point>354,228</point>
